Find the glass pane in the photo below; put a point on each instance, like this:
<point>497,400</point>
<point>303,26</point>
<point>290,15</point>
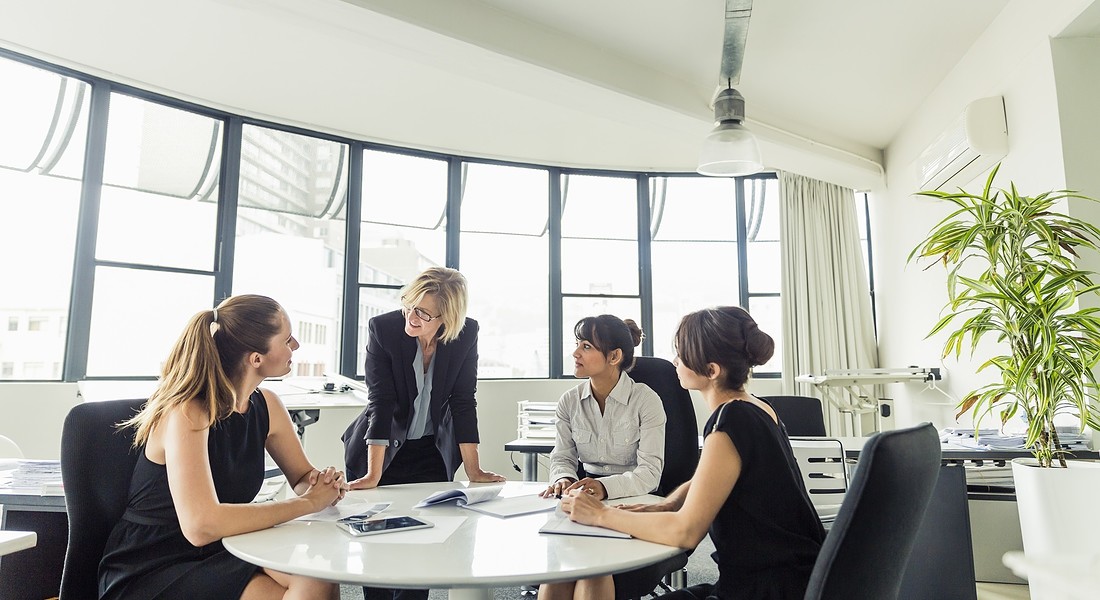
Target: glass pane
<point>575,309</point>
<point>684,283</point>
<point>137,315</point>
<point>158,204</point>
<point>38,215</point>
<point>767,312</point>
<point>762,232</point>
<point>693,208</point>
<point>372,302</point>
<point>599,226</point>
<point>505,257</point>
<point>290,255</point>
<point>292,174</point>
<point>404,222</point>
<point>500,199</point>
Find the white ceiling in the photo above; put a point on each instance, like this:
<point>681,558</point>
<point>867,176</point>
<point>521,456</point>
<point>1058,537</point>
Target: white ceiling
<point>614,83</point>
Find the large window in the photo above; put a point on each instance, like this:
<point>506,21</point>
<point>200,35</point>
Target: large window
<point>700,228</point>
<point>599,252</point>
<point>505,257</point>
<point>155,242</point>
<point>290,235</point>
<point>174,206</point>
<point>404,230</point>
<point>43,126</point>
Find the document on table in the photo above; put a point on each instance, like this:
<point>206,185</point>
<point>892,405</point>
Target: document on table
<point>487,500</point>
<point>560,524</point>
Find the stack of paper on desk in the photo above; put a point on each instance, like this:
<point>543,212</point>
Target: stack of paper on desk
<point>487,500</point>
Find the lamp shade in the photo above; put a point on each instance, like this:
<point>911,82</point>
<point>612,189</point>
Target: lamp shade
<point>729,151</point>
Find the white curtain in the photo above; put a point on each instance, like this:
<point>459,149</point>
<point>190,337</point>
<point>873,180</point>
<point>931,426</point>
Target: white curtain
<point>827,319</point>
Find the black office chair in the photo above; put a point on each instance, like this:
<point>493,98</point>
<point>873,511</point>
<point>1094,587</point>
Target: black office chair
<point>801,415</point>
<point>865,553</point>
<point>97,462</point>
<point>681,458</point>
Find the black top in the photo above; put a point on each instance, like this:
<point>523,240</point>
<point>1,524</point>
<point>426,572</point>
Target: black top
<point>147,555</point>
<point>767,534</point>
<point>392,389</point>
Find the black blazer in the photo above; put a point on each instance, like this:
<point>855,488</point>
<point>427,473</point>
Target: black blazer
<point>392,389</point>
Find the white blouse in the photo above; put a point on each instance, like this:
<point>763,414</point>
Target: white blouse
<point>624,448</point>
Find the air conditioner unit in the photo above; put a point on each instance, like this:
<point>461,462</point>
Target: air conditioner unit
<point>975,142</point>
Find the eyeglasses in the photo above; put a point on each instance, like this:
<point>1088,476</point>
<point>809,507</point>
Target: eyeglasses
<point>420,313</point>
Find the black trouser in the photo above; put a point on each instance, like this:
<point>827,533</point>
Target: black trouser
<point>418,461</point>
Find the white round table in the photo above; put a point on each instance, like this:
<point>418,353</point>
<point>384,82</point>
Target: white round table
<point>484,552</point>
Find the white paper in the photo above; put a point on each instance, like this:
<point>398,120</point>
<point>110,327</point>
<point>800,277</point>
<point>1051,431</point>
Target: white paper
<point>559,524</point>
<point>345,509</point>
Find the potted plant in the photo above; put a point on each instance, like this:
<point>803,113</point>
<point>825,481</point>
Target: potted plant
<point>1012,273</point>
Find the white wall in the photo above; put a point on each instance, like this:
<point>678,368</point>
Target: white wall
<point>1012,59</point>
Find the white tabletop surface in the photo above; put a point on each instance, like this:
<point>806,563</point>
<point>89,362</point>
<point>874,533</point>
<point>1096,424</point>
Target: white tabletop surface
<point>484,552</point>
<point>1072,576</point>
<point>14,541</point>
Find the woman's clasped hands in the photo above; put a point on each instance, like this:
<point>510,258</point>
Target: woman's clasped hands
<point>327,486</point>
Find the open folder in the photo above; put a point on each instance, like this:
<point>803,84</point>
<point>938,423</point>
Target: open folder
<point>488,500</point>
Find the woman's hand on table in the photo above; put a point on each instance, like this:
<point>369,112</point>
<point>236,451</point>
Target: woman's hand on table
<point>582,507</point>
<point>556,489</point>
<point>589,486</point>
<point>366,482</point>
<point>482,476</point>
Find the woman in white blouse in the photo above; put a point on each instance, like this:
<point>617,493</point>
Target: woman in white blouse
<point>610,431</point>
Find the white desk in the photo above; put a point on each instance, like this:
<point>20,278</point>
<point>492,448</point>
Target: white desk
<point>1073,577</point>
<point>14,541</point>
<point>483,553</point>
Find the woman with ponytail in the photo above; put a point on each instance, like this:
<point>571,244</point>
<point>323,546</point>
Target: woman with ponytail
<point>747,490</point>
<point>201,439</point>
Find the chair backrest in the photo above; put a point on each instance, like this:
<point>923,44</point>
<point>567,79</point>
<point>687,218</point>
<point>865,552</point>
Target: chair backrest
<point>97,462</point>
<point>681,429</point>
<point>865,553</point>
<point>800,414</point>
<point>824,473</point>
<point>9,449</point>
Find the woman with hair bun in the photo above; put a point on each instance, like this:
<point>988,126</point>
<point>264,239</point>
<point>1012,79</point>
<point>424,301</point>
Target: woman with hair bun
<point>201,439</point>
<point>747,490</point>
<point>610,440</point>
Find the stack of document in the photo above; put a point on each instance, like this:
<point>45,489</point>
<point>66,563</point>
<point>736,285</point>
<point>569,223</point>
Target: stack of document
<point>1069,438</point>
<point>37,475</point>
<point>537,420</point>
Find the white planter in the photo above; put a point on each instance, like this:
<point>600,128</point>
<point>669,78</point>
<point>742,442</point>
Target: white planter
<point>1057,512</point>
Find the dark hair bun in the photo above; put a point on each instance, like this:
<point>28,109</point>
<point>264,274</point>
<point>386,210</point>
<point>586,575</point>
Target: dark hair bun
<point>636,332</point>
<point>759,346</point>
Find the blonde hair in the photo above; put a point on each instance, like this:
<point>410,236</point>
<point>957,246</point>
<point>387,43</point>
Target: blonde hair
<point>449,288</point>
<point>207,358</point>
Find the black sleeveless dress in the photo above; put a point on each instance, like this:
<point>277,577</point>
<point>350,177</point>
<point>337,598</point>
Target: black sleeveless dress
<point>767,534</point>
<point>147,556</point>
